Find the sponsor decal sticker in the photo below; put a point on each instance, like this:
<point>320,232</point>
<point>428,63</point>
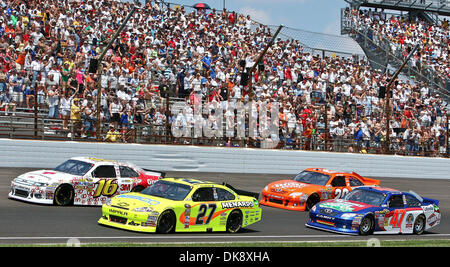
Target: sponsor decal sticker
<point>237,204</point>
<point>143,199</point>
<point>326,223</point>
<point>341,206</point>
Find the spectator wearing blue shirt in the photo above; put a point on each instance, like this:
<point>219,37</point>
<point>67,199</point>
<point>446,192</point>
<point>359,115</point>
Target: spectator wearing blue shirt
<point>17,83</point>
<point>3,80</point>
<point>126,120</point>
<point>7,102</point>
<point>206,60</point>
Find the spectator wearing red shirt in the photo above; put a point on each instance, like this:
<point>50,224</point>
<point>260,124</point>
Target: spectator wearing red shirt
<point>407,112</point>
<point>232,17</point>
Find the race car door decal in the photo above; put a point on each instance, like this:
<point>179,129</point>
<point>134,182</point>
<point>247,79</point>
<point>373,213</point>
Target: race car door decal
<point>393,220</point>
<point>339,185</point>
<point>127,177</point>
<point>203,212</point>
<point>104,177</point>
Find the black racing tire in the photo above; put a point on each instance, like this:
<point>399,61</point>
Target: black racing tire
<point>311,201</point>
<point>64,195</point>
<point>419,225</point>
<point>234,221</point>
<point>367,225</point>
<point>166,222</point>
<point>137,188</point>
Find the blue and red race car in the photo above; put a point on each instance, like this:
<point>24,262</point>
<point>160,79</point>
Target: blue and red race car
<point>374,210</point>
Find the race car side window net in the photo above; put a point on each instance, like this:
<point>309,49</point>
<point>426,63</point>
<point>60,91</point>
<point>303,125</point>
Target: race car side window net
<point>105,172</point>
<point>203,194</point>
<point>338,181</point>
<point>396,201</point>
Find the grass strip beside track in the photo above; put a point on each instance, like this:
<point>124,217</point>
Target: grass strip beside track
<point>382,243</point>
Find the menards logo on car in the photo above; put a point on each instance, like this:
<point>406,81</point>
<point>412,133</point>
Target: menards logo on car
<point>238,204</point>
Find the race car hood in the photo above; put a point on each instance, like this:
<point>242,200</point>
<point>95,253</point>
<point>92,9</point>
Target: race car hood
<point>344,206</point>
<point>137,200</point>
<point>46,176</point>
<point>291,186</point>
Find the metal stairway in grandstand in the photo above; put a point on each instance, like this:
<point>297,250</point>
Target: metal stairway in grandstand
<point>380,57</point>
<point>378,51</point>
<point>375,52</point>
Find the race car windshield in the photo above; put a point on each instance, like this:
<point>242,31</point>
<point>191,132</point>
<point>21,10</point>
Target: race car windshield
<point>312,178</point>
<point>169,190</point>
<point>74,167</point>
<point>365,196</point>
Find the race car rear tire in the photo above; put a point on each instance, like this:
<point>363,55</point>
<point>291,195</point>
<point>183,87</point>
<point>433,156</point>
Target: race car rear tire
<point>367,225</point>
<point>419,225</point>
<point>64,195</point>
<point>234,221</point>
<point>137,188</point>
<point>166,222</point>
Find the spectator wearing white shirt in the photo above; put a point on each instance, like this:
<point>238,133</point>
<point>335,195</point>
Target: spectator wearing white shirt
<point>338,133</point>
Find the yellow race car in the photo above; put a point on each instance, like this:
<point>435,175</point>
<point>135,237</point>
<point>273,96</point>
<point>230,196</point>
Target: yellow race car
<point>183,205</point>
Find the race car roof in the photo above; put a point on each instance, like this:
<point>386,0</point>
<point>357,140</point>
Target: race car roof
<point>384,190</point>
<point>188,181</point>
<point>321,170</point>
<point>326,171</point>
<point>94,160</point>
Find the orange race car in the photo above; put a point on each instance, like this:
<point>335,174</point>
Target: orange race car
<point>311,186</point>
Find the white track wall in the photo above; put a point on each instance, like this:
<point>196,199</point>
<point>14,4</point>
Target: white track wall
<point>48,154</point>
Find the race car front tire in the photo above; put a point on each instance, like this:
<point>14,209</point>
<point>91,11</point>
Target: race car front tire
<point>367,225</point>
<point>64,195</point>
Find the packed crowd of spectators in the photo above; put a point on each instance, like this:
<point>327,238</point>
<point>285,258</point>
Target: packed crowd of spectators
<point>199,55</point>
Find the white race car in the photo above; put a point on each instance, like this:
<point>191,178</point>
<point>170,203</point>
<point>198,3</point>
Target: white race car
<point>82,181</point>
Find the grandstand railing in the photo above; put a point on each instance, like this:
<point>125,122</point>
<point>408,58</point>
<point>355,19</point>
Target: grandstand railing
<point>22,126</point>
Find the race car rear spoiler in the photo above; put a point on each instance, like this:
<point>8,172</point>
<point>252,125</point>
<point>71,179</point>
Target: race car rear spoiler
<point>425,200</point>
<point>156,173</point>
<point>242,192</point>
<point>430,201</point>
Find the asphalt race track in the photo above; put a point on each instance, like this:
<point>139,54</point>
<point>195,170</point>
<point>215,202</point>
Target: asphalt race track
<point>25,223</point>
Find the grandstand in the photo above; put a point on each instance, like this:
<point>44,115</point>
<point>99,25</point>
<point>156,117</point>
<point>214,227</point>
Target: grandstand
<point>328,87</point>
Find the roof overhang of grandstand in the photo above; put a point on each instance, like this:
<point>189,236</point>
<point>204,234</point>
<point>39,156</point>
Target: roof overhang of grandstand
<point>439,7</point>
